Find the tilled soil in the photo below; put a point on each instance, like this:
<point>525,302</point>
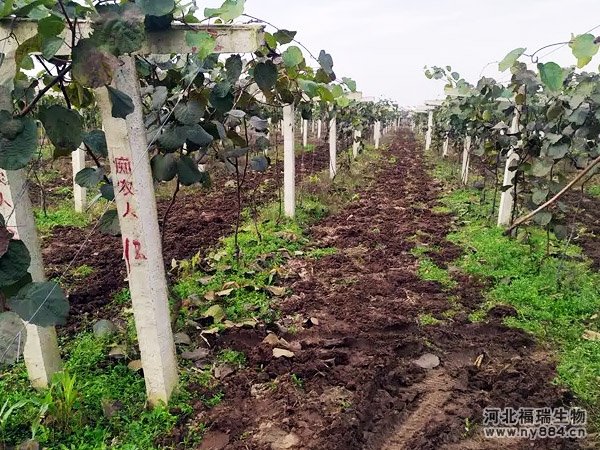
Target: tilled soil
<point>353,382</point>
<point>198,219</point>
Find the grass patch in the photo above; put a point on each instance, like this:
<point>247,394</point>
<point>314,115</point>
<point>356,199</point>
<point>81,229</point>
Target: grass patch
<point>555,292</point>
<point>427,270</point>
<point>427,319</point>
<point>82,271</point>
<point>63,215</point>
<point>95,404</point>
<point>594,190</point>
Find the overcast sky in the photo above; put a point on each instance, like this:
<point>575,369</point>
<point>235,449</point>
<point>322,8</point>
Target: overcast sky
<point>385,44</point>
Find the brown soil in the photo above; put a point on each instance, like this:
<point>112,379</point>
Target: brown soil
<point>359,385</point>
<point>198,219</point>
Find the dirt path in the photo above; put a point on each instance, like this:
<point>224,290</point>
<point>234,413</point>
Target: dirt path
<point>353,382</point>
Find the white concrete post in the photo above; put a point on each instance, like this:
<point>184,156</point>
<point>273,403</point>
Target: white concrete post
<point>333,147</point>
<point>507,198</point>
<point>429,131</point>
<point>319,128</point>
<point>445,147</point>
<point>142,252</point>
<point>313,125</point>
<point>377,133</point>
<point>305,133</point>
<point>356,143</point>
<point>466,158</point>
<point>40,352</point>
<point>79,193</point>
<point>289,162</point>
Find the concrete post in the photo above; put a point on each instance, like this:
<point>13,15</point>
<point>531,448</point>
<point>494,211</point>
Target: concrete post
<point>466,158</point>
<point>507,198</point>
<point>445,147</point>
<point>305,133</point>
<point>429,131</point>
<point>79,193</point>
<point>333,147</point>
<point>319,128</point>
<point>356,143</point>
<point>142,252</point>
<point>289,162</point>
<point>40,352</point>
<point>377,133</point>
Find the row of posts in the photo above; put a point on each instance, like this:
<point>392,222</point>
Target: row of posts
<point>507,197</point>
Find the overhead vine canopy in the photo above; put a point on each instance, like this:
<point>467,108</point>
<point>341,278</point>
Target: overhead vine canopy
<point>558,122</point>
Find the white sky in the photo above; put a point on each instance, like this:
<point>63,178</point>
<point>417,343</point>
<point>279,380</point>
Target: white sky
<point>385,44</point>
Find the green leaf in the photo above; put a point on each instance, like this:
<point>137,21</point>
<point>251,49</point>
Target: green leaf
<point>12,337</point>
<point>107,191</point>
<point>63,127</point>
<point>27,63</point>
<point>7,9</point>
<point>558,151</point>
<point>234,67</point>
<point>510,59</point>
<point>89,177</point>
<point>27,47</point>
<point>93,67</point>
<point>172,138</point>
<point>292,56</point>
<point>198,135</point>
<point>555,111</point>
<point>542,166</point>
<point>41,303</point>
<point>201,43</point>
<point>13,289</point>
<point>51,26</point>
<point>50,46</point>
<point>326,62</point>
<point>164,167</point>
<point>109,223</point>
<point>265,75</point>
<point>309,87</point>
<point>325,94</point>
<point>221,89</point>
<point>188,172</point>
<point>337,90</point>
<point>350,83</point>
<point>560,231</point>
<point>539,196</point>
<point>156,7</point>
<point>96,141</point>
<point>18,141</point>
<point>221,104</point>
<point>343,102</point>
<point>122,105</point>
<point>543,218</point>
<point>14,263</point>
<point>552,76</point>
<point>259,163</point>
<point>189,112</point>
<point>584,49</point>
<point>284,36</point>
<point>231,9</point>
